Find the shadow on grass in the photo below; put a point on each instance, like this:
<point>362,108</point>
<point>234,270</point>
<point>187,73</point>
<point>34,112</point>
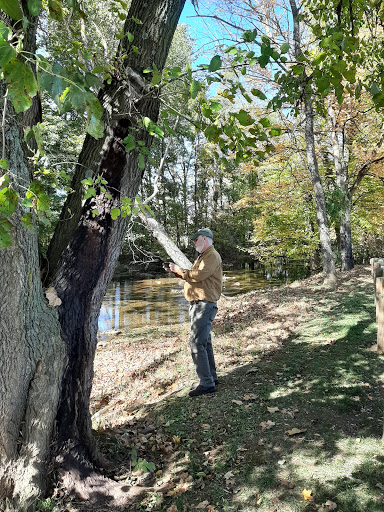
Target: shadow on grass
<point>238,449</point>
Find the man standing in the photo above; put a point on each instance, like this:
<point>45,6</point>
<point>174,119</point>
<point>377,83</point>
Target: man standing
<point>202,289</point>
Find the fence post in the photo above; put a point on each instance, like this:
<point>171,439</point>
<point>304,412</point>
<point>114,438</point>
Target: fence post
<point>380,314</point>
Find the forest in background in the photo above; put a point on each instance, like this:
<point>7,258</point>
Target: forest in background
<point>258,209</point>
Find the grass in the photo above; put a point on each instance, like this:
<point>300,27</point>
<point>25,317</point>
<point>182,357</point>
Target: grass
<point>299,358</point>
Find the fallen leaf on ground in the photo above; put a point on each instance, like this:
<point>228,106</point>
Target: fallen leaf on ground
<point>203,504</point>
<point>250,396</point>
<point>307,495</point>
<point>205,426</point>
<point>295,431</point>
<point>267,424</point>
<point>273,409</point>
<point>237,402</point>
<point>172,508</point>
<point>330,505</point>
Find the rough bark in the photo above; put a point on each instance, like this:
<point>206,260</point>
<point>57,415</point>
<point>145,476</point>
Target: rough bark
<point>87,263</point>
<point>46,363</point>
<point>341,161</point>
<point>32,354</point>
<point>321,208</point>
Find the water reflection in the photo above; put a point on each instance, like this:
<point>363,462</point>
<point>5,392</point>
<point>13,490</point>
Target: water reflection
<point>132,303</point>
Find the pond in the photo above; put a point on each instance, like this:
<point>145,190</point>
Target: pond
<point>136,302</point>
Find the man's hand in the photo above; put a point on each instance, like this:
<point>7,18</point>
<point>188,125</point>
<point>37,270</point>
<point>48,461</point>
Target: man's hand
<point>175,269</point>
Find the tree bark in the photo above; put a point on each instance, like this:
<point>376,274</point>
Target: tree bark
<point>46,367</point>
<point>321,207</point>
<point>341,161</point>
<point>88,262</point>
<point>164,240</point>
<point>32,353</point>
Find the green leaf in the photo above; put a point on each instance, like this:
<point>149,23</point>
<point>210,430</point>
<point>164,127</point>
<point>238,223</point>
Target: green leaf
<point>284,48</point>
<point>12,8</point>
<point>8,201</point>
<point>22,85</point>
<point>129,142</point>
<point>98,69</point>
<point>212,132</point>
<point>152,128</point>
<point>156,78</point>
<point>275,132</point>
<point>27,220</point>
<point>34,6</point>
<point>249,35</point>
<point>195,88</point>
<point>5,235</point>
<point>55,10</point>
<point>5,32</point>
<point>53,81</point>
<point>215,63</point>
<point>91,192</point>
<point>130,37</point>
<point>375,89</point>
<point>7,53</point>
<point>258,94</point>
<point>141,162</point>
<point>92,80</point>
<point>115,213</point>
<point>87,181</point>
<point>244,118</point>
<point>322,83</point>
<point>297,69</point>
<point>215,106</point>
<point>27,202</point>
<point>264,122</point>
<point>3,165</point>
<point>263,60</point>
<point>95,127</point>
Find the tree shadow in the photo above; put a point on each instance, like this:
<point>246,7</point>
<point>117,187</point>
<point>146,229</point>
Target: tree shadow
<point>238,450</point>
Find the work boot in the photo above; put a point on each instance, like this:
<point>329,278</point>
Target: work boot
<point>196,384</point>
<point>202,390</point>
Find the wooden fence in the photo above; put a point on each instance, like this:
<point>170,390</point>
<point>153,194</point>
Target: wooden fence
<point>377,266</point>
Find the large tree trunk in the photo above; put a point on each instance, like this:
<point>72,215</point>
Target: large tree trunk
<point>88,262</point>
<point>313,168</point>
<point>341,161</point>
<point>47,358</point>
<point>32,352</point>
<point>321,207</point>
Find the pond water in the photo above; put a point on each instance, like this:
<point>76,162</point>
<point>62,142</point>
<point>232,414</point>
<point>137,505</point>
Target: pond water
<point>136,302</point>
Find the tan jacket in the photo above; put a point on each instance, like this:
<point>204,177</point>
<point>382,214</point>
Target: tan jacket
<point>204,280</point>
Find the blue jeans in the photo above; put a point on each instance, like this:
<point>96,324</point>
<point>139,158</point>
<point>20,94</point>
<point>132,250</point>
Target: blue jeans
<point>201,316</point>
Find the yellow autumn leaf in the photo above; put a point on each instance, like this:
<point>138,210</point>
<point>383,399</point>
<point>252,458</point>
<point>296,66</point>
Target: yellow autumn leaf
<point>307,495</point>
<point>176,439</point>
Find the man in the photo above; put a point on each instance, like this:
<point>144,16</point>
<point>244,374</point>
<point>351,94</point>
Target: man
<point>202,289</point>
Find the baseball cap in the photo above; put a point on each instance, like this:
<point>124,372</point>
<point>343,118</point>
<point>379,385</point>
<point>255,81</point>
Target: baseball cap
<point>202,232</point>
